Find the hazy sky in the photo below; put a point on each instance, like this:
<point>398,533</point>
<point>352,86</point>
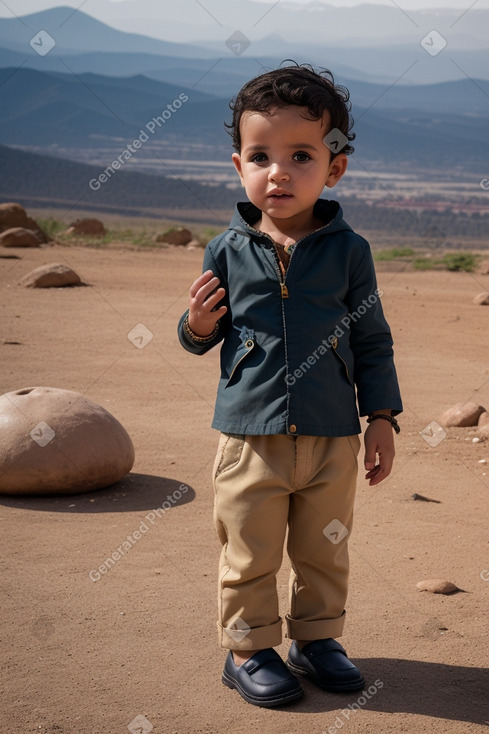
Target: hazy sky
<point>404,4</point>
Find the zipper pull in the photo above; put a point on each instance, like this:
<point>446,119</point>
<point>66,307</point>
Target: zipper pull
<point>284,291</point>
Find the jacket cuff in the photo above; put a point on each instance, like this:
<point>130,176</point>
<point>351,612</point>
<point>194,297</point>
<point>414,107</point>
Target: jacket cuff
<point>196,344</point>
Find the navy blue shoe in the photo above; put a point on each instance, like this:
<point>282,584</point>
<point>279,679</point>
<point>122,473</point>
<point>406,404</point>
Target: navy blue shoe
<point>326,663</point>
<point>263,680</point>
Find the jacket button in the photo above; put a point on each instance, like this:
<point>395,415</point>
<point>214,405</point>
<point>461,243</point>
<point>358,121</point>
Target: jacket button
<point>293,428</point>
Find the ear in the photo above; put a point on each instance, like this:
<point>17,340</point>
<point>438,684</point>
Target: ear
<point>236,158</point>
<point>337,168</point>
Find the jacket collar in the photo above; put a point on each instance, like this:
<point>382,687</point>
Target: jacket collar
<point>246,214</point>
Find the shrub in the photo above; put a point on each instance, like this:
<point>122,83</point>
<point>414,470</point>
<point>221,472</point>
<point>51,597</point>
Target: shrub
<point>465,261</point>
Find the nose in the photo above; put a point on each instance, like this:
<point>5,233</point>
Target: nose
<point>277,172</point>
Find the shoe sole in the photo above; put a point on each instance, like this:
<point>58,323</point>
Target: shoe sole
<point>330,687</point>
<point>259,701</point>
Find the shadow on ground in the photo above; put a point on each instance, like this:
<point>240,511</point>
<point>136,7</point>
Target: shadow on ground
<point>132,493</point>
<point>450,692</point>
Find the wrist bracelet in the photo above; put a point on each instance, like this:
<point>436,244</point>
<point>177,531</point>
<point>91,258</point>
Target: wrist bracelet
<point>395,425</point>
<point>195,337</point>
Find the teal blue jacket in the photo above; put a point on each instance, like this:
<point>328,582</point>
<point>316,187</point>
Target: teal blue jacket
<point>303,354</point>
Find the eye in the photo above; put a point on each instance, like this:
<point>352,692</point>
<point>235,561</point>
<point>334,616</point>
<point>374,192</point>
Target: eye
<point>301,157</point>
<point>258,158</point>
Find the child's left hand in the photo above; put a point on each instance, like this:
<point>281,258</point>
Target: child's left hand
<point>379,441</point>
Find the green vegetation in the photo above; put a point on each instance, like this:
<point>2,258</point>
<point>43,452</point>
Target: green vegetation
<point>423,263</point>
<point>51,226</point>
<point>465,261</point>
<point>393,253</point>
<point>454,261</point>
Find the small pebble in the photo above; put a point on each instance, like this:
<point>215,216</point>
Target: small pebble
<point>482,461</point>
<point>476,440</point>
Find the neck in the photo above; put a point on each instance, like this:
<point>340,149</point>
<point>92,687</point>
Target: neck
<point>287,231</point>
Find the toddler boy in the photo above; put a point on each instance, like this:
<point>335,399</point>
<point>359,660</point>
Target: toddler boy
<point>290,291</point>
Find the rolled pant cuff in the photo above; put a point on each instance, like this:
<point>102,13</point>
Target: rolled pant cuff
<point>250,638</point>
<point>298,629</point>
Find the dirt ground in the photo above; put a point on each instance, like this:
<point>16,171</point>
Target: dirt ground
<point>135,649</point>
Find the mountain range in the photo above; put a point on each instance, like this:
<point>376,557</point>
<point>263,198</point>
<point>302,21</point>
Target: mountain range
<point>422,124</point>
<point>370,42</point>
<point>73,86</point>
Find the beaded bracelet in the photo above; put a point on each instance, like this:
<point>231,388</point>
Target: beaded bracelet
<point>395,425</point>
<point>194,337</point>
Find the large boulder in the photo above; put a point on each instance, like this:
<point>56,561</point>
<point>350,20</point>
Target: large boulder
<point>176,236</point>
<point>14,215</point>
<point>19,237</point>
<point>462,414</point>
<point>87,228</point>
<point>54,275</point>
<point>55,441</point>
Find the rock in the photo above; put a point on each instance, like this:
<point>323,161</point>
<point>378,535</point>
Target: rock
<point>19,237</point>
<point>437,586</point>
<point>14,215</point>
<point>87,228</point>
<point>483,425</point>
<point>55,441</point>
<point>462,414</point>
<point>176,236</point>
<point>482,299</point>
<point>54,275</point>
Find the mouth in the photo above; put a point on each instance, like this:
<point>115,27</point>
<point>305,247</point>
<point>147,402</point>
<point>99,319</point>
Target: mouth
<point>279,194</point>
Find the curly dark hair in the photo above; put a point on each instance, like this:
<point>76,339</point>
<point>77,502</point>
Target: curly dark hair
<point>299,85</point>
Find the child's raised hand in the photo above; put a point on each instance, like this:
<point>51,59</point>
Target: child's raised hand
<point>379,441</point>
<point>204,295</point>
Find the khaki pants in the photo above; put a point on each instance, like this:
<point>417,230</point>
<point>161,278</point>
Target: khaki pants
<point>264,484</point>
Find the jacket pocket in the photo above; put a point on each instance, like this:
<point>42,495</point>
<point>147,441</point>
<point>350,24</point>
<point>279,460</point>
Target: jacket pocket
<point>346,371</point>
<point>244,349</point>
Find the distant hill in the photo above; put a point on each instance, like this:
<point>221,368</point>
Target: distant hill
<point>75,32</point>
<point>71,109</point>
<point>38,180</point>
<point>411,126</point>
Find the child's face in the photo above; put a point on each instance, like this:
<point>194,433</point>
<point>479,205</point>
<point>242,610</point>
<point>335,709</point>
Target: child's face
<point>284,163</point>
